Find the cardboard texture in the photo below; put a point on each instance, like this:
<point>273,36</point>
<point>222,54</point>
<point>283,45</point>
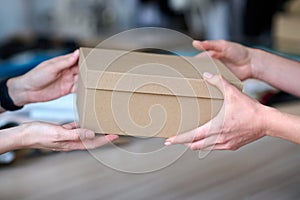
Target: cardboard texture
<point>148,95</point>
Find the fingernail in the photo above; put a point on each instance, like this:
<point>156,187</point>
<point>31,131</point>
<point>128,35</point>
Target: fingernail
<point>207,75</point>
<point>168,143</point>
<point>111,137</point>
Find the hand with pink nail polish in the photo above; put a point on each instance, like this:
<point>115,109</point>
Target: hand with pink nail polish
<point>231,128</point>
<point>242,119</point>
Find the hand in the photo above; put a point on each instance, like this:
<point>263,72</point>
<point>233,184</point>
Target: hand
<point>235,56</point>
<point>239,122</point>
<point>68,137</point>
<point>49,80</point>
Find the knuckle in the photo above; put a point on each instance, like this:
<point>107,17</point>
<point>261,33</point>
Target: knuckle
<point>222,130</point>
<point>192,148</point>
<point>196,136</point>
<point>222,139</point>
<point>57,136</point>
<point>222,80</point>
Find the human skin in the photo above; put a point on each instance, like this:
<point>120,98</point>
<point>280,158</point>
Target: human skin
<point>242,119</point>
<point>41,135</point>
<point>49,80</point>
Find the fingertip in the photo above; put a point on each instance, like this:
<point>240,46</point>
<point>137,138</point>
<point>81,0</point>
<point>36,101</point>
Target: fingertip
<point>198,45</point>
<point>216,80</point>
<point>192,147</point>
<point>168,143</point>
<point>207,75</point>
<point>76,53</point>
<point>196,42</point>
<point>74,56</point>
<point>75,137</point>
<point>111,137</point>
<point>170,139</point>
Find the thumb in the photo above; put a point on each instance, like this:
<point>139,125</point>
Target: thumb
<point>198,45</point>
<point>216,80</point>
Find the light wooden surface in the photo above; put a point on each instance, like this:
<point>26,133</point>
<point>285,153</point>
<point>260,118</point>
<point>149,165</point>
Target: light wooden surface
<point>266,169</point>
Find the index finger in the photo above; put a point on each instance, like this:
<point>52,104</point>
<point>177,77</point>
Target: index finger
<point>190,136</point>
<point>215,45</point>
<point>65,61</point>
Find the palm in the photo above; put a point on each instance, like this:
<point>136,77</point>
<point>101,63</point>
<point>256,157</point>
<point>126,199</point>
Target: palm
<point>236,57</point>
<point>55,85</point>
<point>52,79</point>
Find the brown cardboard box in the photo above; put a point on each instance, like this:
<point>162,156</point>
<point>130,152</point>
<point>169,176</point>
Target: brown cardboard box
<point>143,94</point>
<point>287,33</point>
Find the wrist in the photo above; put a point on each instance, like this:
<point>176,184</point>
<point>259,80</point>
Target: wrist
<point>17,91</point>
<point>257,57</point>
<point>25,140</point>
<point>13,139</point>
<point>268,116</point>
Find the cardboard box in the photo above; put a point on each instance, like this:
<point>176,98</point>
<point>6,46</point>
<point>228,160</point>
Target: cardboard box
<point>144,94</point>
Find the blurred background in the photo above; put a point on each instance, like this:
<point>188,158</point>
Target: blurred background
<point>32,31</point>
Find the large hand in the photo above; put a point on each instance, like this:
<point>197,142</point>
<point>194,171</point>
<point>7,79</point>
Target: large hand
<point>61,138</point>
<point>239,122</point>
<point>49,80</point>
<point>235,56</point>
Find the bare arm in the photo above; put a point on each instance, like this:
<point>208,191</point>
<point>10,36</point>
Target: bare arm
<point>234,127</point>
<point>41,135</point>
<point>247,62</point>
<point>279,72</point>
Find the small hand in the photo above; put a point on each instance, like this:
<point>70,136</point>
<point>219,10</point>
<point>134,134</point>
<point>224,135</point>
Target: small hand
<point>49,80</point>
<point>68,137</point>
<point>235,56</point>
<point>239,122</point>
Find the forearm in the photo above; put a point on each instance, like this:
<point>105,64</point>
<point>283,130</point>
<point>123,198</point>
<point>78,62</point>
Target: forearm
<point>277,71</point>
<point>11,139</point>
<point>281,125</point>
